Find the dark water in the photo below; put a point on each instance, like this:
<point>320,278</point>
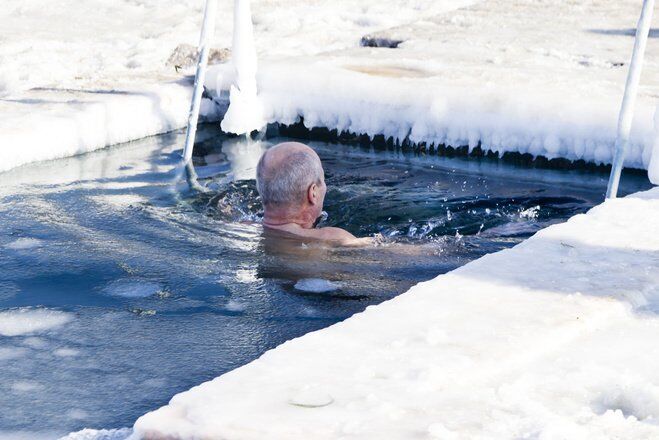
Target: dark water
<point>168,282</point>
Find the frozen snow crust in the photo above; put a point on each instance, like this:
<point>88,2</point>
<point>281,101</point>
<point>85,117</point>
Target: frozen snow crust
<point>554,338</point>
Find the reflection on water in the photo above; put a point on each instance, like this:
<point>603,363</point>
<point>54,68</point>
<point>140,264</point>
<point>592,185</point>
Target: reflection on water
<point>167,279</point>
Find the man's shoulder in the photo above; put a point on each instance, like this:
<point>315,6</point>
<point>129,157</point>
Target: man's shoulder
<point>334,234</point>
<point>344,238</point>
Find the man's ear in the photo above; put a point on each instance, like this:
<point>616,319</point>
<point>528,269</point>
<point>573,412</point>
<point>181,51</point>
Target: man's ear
<point>312,194</point>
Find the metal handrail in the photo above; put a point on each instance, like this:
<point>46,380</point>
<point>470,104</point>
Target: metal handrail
<point>207,30</point>
<point>631,89</point>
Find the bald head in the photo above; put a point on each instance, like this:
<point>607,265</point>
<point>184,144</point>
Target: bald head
<point>285,172</point>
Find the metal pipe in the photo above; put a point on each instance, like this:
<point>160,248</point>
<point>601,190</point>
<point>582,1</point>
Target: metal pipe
<point>631,88</point>
<point>207,30</point>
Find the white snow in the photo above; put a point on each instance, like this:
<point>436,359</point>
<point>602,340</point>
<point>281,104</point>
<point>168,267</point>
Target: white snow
<point>555,338</point>
<point>26,320</point>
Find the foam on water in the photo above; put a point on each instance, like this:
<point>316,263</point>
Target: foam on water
<point>28,320</point>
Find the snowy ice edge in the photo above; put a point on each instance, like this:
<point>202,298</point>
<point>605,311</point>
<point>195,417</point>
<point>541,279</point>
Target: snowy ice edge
<point>55,124</point>
<point>327,94</point>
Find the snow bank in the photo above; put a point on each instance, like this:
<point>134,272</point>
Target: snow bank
<point>23,321</point>
<point>555,338</point>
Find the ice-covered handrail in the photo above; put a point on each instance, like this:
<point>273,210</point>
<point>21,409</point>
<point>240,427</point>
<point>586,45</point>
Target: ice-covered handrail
<point>207,30</point>
<point>631,88</point>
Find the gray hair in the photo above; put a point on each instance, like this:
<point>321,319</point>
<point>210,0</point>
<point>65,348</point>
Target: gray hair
<point>286,182</point>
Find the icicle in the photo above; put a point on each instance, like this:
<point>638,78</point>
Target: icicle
<point>245,112</point>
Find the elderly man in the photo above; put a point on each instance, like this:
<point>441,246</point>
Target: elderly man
<point>291,182</point>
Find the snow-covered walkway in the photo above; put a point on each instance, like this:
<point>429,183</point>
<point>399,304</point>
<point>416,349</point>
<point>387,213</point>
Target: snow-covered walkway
<point>554,338</point>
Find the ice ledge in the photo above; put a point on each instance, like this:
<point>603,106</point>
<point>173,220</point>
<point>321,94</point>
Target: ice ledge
<point>411,100</point>
<point>45,124</point>
<point>554,338</point>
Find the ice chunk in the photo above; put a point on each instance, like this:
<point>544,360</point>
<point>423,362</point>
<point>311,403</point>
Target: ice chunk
<point>235,306</point>
<point>24,243</point>
<point>66,352</point>
<point>11,352</point>
<point>35,342</point>
<point>99,434</point>
<point>26,386</point>
<point>30,320</point>
<point>132,289</point>
<point>316,285</point>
